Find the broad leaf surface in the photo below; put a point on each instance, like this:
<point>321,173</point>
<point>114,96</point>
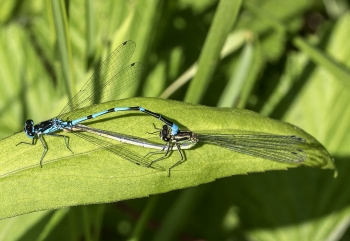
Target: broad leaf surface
<point>94,175</point>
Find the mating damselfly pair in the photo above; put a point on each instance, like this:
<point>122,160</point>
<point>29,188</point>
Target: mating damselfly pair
<point>113,78</point>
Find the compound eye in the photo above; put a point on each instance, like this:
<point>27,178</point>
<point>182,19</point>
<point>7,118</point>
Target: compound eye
<point>29,123</point>
<point>165,138</point>
<point>29,128</point>
<point>164,134</point>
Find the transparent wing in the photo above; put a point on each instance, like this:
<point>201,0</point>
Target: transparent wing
<point>120,151</point>
<point>273,147</point>
<point>111,89</point>
<point>109,81</point>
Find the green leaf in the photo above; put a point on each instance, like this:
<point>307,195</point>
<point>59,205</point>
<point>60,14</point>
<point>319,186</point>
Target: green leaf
<point>224,19</point>
<point>340,72</point>
<point>243,77</point>
<point>25,227</point>
<point>52,223</point>
<point>94,175</point>
<point>63,43</point>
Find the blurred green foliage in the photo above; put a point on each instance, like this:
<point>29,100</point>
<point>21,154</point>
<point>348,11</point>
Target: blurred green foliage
<point>284,59</point>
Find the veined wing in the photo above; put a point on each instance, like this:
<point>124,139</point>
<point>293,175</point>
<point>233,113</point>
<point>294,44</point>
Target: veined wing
<point>109,81</point>
<point>282,148</point>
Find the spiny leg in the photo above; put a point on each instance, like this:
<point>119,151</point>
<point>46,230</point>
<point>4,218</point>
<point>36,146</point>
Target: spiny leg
<point>33,143</point>
<point>167,146</point>
<point>156,130</point>
<point>45,149</point>
<point>27,143</point>
<point>45,145</point>
<point>178,146</point>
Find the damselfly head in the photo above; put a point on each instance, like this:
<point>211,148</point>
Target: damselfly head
<point>164,133</point>
<point>29,128</point>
